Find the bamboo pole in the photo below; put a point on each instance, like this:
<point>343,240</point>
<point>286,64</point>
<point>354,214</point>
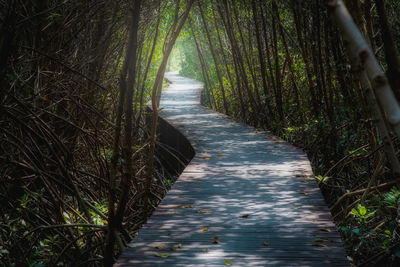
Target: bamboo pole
<point>364,57</point>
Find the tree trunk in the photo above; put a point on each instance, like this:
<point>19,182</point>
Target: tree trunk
<point>278,95</point>
<point>261,59</point>
<point>390,48</point>
<point>296,8</point>
<point>211,45</point>
<point>206,78</point>
<point>127,80</point>
<point>156,93</point>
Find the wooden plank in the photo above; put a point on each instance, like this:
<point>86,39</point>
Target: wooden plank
<point>244,186</point>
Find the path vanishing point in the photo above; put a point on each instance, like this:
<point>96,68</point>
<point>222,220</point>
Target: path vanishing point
<point>244,199</point>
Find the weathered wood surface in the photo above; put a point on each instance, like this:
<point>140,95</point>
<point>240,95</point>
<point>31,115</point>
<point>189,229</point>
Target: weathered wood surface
<point>243,186</point>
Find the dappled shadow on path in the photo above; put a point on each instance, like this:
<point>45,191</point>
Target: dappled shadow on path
<point>245,197</point>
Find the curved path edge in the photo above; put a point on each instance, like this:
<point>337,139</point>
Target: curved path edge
<point>243,200</point>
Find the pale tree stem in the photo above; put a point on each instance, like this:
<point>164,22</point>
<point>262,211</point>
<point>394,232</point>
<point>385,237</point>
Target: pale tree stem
<point>363,56</point>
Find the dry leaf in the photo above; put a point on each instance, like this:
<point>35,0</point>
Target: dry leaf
<point>204,211</point>
<point>304,193</point>
<point>204,229</point>
<point>220,156</point>
<point>160,247</point>
<point>266,244</point>
<point>325,230</point>
<point>244,216</point>
<point>161,255</point>
<point>215,240</point>
<point>207,158</point>
<point>178,246</point>
<point>300,175</point>
<point>187,206</point>
<point>227,262</point>
<point>47,98</point>
<point>174,206</point>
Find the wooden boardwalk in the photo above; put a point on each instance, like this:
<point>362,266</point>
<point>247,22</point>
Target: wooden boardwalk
<point>243,200</point>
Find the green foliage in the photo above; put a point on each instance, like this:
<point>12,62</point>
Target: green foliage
<point>106,154</point>
<point>360,236</point>
<point>391,199</point>
<point>187,57</point>
<point>361,213</point>
<point>53,15</point>
<point>321,179</point>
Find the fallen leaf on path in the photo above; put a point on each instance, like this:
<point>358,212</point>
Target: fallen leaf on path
<point>161,255</point>
<point>174,206</point>
<point>325,230</point>
<point>304,193</point>
<point>215,240</point>
<point>227,262</point>
<point>301,175</point>
<point>220,156</point>
<point>187,206</point>
<point>244,216</point>
<point>160,247</point>
<point>266,244</point>
<point>177,246</point>
<point>207,158</point>
<point>204,229</point>
<point>204,211</point>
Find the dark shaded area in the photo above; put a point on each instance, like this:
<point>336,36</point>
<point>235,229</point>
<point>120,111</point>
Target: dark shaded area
<point>173,150</point>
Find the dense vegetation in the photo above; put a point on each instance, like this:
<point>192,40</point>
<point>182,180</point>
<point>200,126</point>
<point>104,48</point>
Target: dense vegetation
<point>75,77</point>
<point>78,170</point>
<point>283,66</point>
